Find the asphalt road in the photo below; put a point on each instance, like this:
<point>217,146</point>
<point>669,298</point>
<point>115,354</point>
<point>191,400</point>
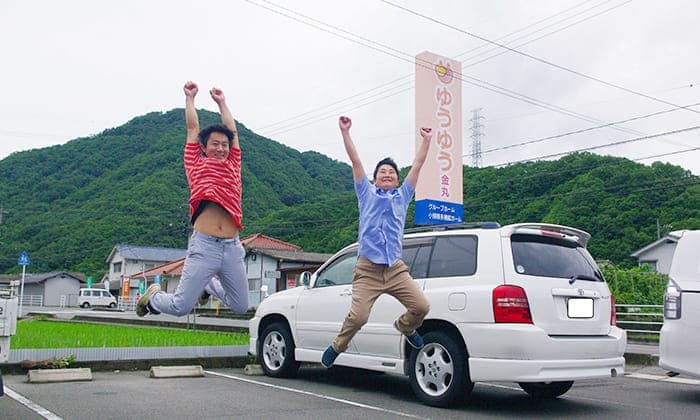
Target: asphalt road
<point>338,393</point>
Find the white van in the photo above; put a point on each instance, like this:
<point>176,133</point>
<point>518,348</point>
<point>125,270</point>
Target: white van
<point>680,335</point>
<point>96,297</point>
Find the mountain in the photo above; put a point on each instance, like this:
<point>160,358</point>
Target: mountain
<point>68,205</point>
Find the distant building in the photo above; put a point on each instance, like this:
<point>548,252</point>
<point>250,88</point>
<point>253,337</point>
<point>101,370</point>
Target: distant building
<point>126,260</point>
<point>658,254</point>
<point>269,262</point>
<point>48,289</point>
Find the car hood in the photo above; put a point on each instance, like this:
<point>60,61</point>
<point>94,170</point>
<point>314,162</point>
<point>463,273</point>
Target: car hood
<point>279,298</point>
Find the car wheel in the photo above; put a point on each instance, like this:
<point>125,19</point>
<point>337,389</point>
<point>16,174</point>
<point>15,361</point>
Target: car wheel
<point>438,371</point>
<point>112,305</point>
<point>276,351</point>
<point>546,390</point>
<point>85,305</point>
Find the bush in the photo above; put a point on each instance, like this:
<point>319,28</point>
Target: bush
<point>636,285</point>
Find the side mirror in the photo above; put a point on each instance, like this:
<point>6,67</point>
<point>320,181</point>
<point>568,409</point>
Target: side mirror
<point>305,279</point>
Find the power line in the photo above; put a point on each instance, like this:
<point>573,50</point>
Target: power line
<point>653,114</point>
<point>617,143</point>
<point>468,79</point>
<point>541,60</point>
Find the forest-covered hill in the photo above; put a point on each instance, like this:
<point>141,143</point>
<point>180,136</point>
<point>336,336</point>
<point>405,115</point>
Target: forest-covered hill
<point>68,205</point>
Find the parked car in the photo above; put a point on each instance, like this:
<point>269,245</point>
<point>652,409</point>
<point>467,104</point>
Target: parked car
<point>523,303</point>
<point>680,335</point>
<point>96,297</point>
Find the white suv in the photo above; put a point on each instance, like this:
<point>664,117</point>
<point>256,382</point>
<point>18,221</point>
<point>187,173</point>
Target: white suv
<point>680,335</point>
<point>524,303</point>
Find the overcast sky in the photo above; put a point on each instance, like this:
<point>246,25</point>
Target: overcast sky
<point>289,68</point>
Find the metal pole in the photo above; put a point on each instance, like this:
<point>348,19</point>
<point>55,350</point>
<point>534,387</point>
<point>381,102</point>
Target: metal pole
<point>21,291</point>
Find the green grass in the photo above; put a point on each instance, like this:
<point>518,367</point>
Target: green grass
<point>38,334</point>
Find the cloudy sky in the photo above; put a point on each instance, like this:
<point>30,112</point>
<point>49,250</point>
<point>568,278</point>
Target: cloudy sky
<point>290,68</point>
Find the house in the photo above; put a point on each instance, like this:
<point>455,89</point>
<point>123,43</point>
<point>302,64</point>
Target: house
<point>126,260</point>
<point>48,289</point>
<point>658,254</point>
<point>272,265</point>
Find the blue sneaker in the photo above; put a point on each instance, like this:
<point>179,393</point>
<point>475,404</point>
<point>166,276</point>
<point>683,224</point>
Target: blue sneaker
<point>415,339</point>
<point>329,357</point>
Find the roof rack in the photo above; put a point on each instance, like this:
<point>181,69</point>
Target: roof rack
<point>470,225</point>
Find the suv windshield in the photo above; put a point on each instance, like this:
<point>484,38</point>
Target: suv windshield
<point>536,255</point>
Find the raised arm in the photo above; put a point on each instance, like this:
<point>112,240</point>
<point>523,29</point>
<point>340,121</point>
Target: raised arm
<point>421,153</point>
<point>226,117</point>
<point>358,172</point>
<point>191,118</point>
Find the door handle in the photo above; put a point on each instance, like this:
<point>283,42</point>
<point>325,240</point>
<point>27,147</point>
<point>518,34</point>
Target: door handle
<point>346,292</point>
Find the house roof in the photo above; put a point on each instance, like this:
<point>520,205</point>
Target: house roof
<point>30,278</point>
<point>146,253</point>
<point>288,255</point>
<point>258,240</point>
<point>669,238</point>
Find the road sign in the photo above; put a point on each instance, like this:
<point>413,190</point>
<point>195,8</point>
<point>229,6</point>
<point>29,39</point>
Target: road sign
<point>23,259</point>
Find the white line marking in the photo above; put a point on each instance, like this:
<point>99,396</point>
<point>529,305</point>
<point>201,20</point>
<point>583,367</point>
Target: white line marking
<point>31,405</point>
<point>675,380</point>
<point>313,394</point>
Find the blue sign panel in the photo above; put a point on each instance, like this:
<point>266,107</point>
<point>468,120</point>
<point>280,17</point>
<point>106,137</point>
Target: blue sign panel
<point>23,259</point>
<point>432,212</point>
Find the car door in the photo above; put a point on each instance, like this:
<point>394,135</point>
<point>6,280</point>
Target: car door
<point>322,307</point>
<point>378,337</point>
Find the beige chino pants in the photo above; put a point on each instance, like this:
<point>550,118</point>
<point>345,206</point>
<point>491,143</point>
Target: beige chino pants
<point>370,281</point>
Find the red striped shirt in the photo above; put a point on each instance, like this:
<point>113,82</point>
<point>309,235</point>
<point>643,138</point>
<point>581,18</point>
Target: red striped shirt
<point>216,181</point>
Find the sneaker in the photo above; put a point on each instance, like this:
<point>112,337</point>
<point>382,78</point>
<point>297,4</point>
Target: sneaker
<point>143,306</point>
<point>203,298</point>
<point>329,357</point>
<point>414,339</point>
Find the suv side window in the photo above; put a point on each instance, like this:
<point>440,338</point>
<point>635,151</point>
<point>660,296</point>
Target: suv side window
<point>416,255</point>
<point>453,256</point>
<point>339,272</point>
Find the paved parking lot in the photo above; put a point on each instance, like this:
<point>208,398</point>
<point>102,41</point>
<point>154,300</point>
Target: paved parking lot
<point>338,393</point>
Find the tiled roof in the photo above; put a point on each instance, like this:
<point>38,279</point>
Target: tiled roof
<point>39,277</point>
<point>146,253</point>
<point>258,240</point>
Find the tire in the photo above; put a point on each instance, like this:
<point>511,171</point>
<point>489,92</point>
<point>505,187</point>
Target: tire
<point>112,305</point>
<point>546,390</point>
<point>276,351</point>
<point>85,305</point>
<point>438,371</point>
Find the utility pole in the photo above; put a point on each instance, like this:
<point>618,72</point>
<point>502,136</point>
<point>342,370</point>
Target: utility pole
<point>476,136</point>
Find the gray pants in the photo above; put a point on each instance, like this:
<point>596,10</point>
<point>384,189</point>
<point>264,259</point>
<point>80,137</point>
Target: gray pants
<point>207,257</point>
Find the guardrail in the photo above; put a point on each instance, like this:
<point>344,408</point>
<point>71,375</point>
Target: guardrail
<point>640,319</point>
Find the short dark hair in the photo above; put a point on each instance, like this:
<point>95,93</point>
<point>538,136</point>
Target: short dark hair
<point>215,128</point>
<point>386,161</point>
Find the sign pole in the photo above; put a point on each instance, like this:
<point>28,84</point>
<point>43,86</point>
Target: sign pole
<point>21,290</point>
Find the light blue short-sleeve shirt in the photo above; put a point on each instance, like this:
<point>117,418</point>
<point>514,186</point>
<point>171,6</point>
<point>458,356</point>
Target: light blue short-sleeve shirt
<point>382,219</point>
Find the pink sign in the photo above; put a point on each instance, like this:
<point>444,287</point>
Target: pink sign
<point>439,197</point>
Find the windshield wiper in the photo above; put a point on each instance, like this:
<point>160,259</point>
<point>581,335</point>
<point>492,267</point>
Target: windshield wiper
<point>575,277</point>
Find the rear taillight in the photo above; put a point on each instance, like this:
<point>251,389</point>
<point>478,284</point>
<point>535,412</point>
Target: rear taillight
<point>613,311</point>
<point>672,302</point>
<point>510,305</point>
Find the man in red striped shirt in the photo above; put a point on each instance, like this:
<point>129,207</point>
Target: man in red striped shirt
<point>215,257</point>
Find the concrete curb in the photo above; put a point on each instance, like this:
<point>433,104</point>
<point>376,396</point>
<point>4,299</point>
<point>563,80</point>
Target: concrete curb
<point>39,376</point>
<point>176,371</point>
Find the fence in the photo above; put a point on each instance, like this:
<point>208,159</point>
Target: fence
<point>640,319</point>
<point>32,300</point>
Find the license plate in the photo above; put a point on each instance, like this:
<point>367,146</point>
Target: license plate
<point>580,308</point>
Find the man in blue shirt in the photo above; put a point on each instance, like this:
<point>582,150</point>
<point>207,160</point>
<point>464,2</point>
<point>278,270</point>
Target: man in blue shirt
<point>379,268</point>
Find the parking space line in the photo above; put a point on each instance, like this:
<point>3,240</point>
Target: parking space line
<point>659,378</point>
<point>31,405</point>
<point>313,394</point>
